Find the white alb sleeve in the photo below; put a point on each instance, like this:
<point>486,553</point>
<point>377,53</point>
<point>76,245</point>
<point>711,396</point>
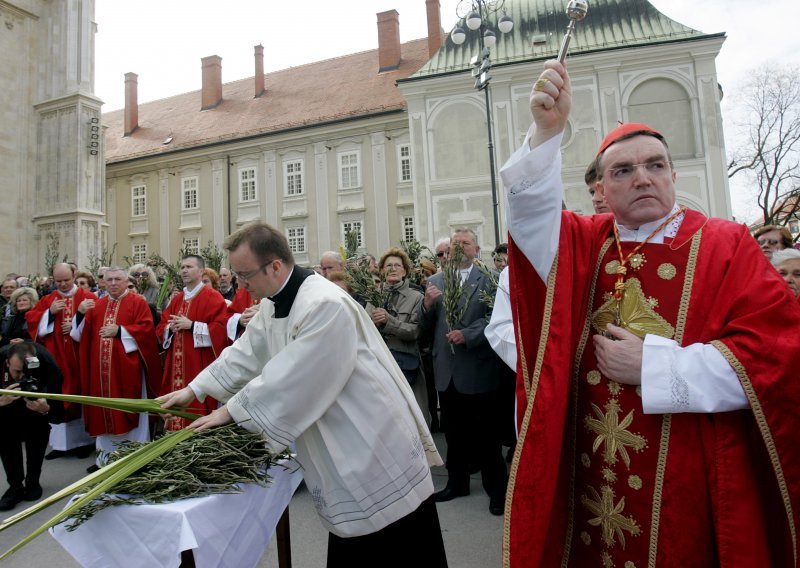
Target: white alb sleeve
<point>200,334</point>
<point>500,330</point>
<point>695,378</point>
<point>128,342</point>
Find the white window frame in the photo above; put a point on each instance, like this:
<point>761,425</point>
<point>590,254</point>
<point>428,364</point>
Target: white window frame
<point>185,191</point>
<point>403,160</point>
<point>349,161</point>
<point>295,178</point>
<point>409,225</point>
<point>139,253</point>
<point>139,200</point>
<point>248,186</point>
<point>191,245</point>
<point>354,223</point>
<point>296,236</point>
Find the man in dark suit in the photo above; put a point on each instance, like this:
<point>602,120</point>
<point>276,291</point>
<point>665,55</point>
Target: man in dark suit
<point>465,370</point>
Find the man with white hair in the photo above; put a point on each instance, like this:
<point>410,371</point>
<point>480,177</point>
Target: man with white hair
<point>656,386</point>
<point>329,262</point>
<point>787,263</point>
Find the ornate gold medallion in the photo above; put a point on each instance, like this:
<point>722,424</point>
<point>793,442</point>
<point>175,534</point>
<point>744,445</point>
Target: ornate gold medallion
<point>637,261</point>
<point>635,314</point>
<point>612,267</point>
<point>635,482</point>
<point>593,377</point>
<point>667,271</point>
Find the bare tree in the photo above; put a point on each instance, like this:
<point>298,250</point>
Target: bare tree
<point>770,154</point>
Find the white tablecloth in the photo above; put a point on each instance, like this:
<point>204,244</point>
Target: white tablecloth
<point>223,530</point>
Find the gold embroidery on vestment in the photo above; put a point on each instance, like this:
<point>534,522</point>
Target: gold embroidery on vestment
<point>587,540</point>
<point>613,433</point>
<point>609,516</point>
<point>585,460</point>
<point>593,377</point>
<point>606,559</point>
<point>630,564</point>
<point>667,271</point>
<point>609,475</point>
<point>635,314</point>
<point>635,482</point>
<point>637,261</point>
<point>612,267</point>
<point>614,388</point>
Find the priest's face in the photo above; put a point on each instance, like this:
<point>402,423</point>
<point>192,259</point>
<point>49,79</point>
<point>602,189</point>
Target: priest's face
<point>116,282</point>
<point>191,273</point>
<point>63,277</point>
<point>261,280</point>
<point>637,180</point>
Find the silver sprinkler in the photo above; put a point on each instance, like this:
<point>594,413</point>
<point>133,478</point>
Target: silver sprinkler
<point>576,11</point>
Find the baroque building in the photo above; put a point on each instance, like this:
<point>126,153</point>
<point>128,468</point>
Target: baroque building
<point>392,143</point>
<point>50,138</point>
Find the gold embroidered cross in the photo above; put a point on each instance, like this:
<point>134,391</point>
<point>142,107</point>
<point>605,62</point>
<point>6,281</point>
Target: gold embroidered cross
<point>609,515</point>
<point>613,433</point>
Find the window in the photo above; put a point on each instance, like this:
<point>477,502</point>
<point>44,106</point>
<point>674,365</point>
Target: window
<point>191,245</point>
<point>139,255</point>
<point>189,193</point>
<point>349,172</point>
<point>247,184</point>
<point>297,239</point>
<point>408,229</point>
<point>353,227</point>
<point>404,152</point>
<point>293,177</point>
<point>666,106</point>
<point>138,201</point>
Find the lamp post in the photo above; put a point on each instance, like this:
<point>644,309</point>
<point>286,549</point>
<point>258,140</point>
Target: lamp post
<point>474,14</point>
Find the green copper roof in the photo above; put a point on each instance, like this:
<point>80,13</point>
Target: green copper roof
<point>609,24</point>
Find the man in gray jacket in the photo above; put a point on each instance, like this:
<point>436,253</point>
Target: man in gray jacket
<point>465,368</point>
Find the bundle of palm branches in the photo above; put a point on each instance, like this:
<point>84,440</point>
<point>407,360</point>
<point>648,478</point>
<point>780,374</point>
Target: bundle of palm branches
<point>454,289</point>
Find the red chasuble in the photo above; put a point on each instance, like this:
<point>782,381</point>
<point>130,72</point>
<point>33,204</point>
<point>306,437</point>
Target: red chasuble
<point>112,373</point>
<point>241,301</point>
<point>184,361</point>
<point>63,348</point>
<point>595,481</point>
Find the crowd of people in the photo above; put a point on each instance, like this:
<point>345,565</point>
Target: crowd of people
<point>625,358</point>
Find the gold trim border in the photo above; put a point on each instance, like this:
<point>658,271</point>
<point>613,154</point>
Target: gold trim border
<point>766,434</point>
<point>531,386</point>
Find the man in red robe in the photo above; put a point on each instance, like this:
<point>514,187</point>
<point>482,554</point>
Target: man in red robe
<point>49,323</point>
<point>657,405</point>
<point>119,353</point>
<point>192,330</point>
<point>240,311</point>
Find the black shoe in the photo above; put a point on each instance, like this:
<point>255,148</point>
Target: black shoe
<point>11,498</point>
<point>83,451</point>
<point>449,493</point>
<point>33,491</point>
<point>497,505</point>
<point>92,468</point>
<point>55,454</point>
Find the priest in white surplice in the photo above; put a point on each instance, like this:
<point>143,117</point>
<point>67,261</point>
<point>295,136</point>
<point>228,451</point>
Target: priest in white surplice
<point>313,370</point>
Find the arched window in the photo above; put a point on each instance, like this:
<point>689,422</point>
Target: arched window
<point>459,142</point>
<point>665,105</point>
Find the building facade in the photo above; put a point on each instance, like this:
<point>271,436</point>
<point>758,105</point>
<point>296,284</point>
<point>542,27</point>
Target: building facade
<point>51,137</point>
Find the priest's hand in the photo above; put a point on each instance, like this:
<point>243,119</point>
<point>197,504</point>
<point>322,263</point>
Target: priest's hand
<point>619,359</point>
<point>57,306</point>
<point>86,305</point>
<point>66,326</point>
<point>183,398</point>
<point>109,330</point>
<point>551,100</point>
<point>247,315</point>
<point>219,417</point>
<point>178,323</point>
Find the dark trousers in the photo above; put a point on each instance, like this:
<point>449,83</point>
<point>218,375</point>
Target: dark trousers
<point>35,433</point>
<point>414,540</point>
<point>472,432</point>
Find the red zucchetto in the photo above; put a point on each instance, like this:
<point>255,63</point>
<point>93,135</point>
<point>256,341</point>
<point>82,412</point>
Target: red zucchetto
<point>622,130</point>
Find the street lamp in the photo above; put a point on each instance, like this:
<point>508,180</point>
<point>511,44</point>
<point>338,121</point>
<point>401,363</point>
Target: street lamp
<point>474,14</point>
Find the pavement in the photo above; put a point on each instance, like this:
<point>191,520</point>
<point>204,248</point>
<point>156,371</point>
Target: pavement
<point>472,536</point>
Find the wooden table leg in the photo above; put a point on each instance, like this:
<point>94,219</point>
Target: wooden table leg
<point>284,541</point>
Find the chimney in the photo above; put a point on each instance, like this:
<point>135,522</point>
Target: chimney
<point>212,82</point>
<point>131,103</point>
<point>435,34</point>
<point>259,55</point>
<point>388,40</point>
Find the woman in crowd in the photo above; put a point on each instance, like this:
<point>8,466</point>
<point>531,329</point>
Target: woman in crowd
<point>85,280</point>
<point>787,263</point>
<point>14,325</point>
<point>211,278</point>
<point>772,238</point>
<point>143,277</point>
<point>397,320</point>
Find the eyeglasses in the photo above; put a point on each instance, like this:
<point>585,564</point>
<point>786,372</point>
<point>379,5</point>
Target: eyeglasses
<point>771,242</point>
<point>440,254</point>
<point>138,274</point>
<point>245,276</point>
<point>655,168</point>
<point>131,286</point>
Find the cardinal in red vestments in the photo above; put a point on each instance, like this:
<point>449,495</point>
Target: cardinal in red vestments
<point>119,351</point>
<point>657,397</point>
<point>192,330</point>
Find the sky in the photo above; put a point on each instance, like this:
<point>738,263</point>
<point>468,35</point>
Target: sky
<point>163,40</point>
